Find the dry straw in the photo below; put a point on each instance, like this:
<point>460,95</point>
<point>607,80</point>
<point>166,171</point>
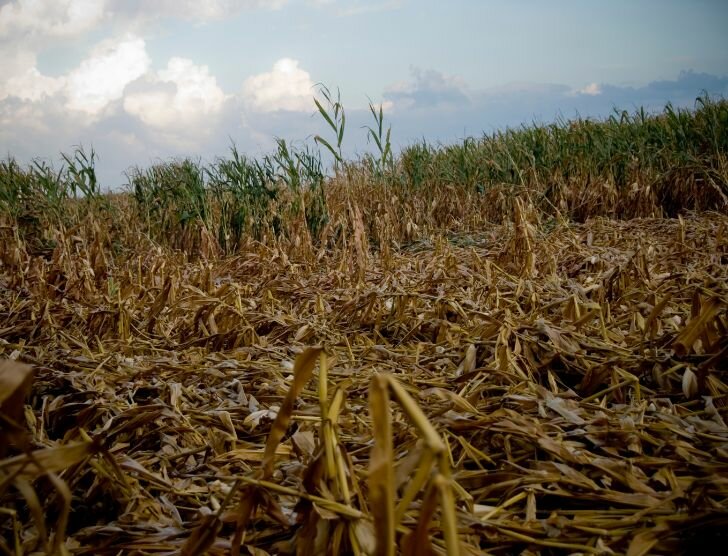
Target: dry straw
<point>468,398</point>
<point>499,369</point>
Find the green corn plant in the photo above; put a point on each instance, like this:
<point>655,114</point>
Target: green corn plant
<point>335,117</point>
<point>417,162</point>
<point>171,196</point>
<point>186,186</point>
<point>81,173</point>
<point>381,139</point>
<point>16,189</point>
<point>145,192</point>
<point>288,166</point>
<point>265,177</point>
<point>289,172</point>
<point>312,176</point>
<point>51,190</point>
<point>245,193</point>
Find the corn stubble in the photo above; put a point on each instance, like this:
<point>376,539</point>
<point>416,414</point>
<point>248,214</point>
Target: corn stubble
<point>260,359</point>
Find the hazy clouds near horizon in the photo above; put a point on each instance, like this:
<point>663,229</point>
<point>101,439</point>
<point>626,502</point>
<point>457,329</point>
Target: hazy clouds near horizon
<point>143,81</point>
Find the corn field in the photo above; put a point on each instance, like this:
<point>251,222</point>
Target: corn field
<point>516,344</point>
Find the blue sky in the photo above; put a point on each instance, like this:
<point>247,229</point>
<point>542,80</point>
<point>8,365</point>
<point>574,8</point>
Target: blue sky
<point>147,80</point>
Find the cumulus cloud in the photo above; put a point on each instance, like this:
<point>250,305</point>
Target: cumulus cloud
<point>192,10</point>
<point>67,18</point>
<point>525,88</point>
<point>285,87</point>
<point>359,8</point>
<point>57,18</point>
<point>177,96</point>
<point>346,8</point>
<point>102,77</point>
<point>27,27</point>
<point>592,89</point>
<point>516,103</point>
<point>31,85</point>
<point>216,9</point>
<point>14,60</point>
<point>115,86</point>
<point>133,114</point>
<point>94,84</point>
<point>25,124</point>
<point>426,89</point>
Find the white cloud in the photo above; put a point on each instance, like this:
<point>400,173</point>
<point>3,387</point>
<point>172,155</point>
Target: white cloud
<point>57,18</point>
<point>285,87</point>
<point>48,19</point>
<point>427,88</point>
<point>30,117</point>
<point>99,79</point>
<point>102,77</point>
<point>347,8</point>
<point>526,87</point>
<point>593,89</point>
<point>20,78</point>
<point>45,127</point>
<point>175,106</point>
<point>31,85</point>
<point>14,60</point>
<point>193,10</point>
<point>28,27</point>
<point>177,96</point>
<point>359,8</point>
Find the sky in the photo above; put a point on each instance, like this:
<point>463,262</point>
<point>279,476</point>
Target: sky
<point>144,81</point>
